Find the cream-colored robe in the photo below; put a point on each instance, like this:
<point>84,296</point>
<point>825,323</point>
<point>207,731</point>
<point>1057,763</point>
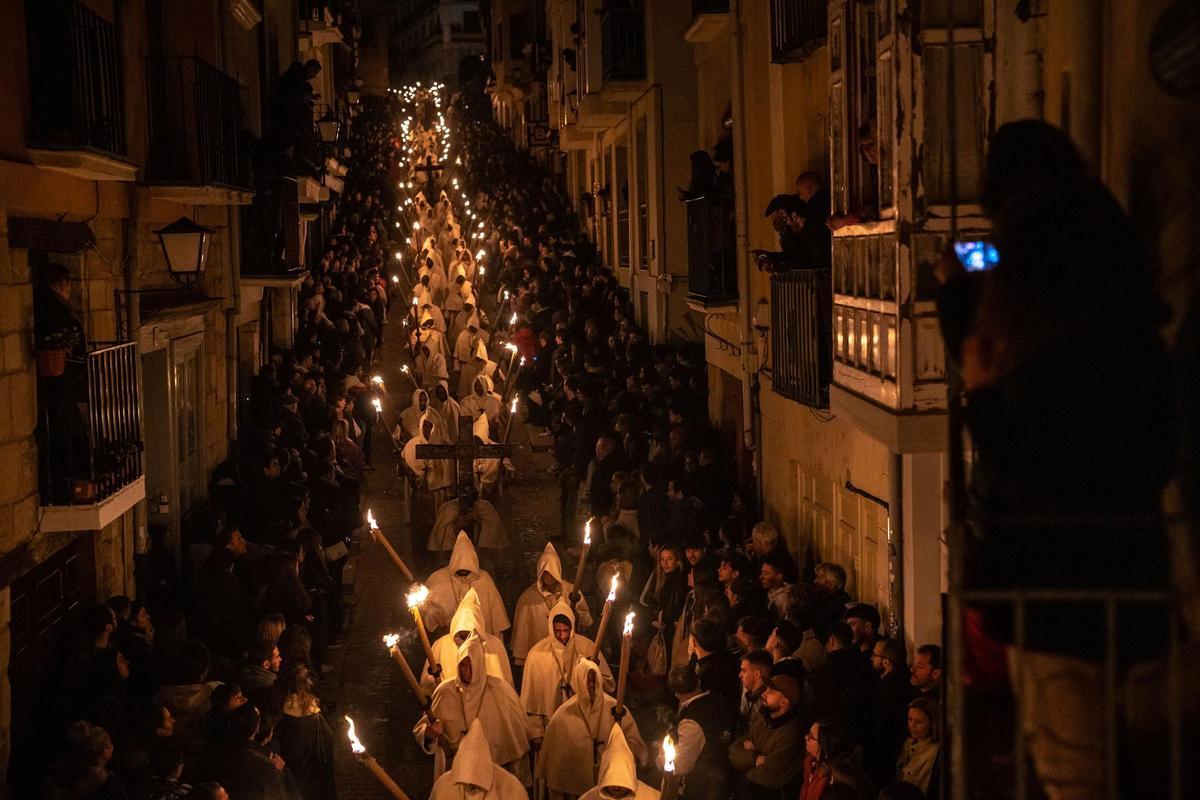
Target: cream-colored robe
<point>578,735</point>
<point>533,606</point>
<point>545,683</point>
<point>618,768</point>
<point>475,776</point>
<point>467,619</point>
<point>487,699</point>
<point>447,589</point>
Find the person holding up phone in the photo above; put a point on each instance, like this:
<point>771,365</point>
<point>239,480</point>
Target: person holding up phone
<point>1066,389</point>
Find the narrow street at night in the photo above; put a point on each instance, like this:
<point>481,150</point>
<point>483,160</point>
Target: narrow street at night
<point>600,400</point>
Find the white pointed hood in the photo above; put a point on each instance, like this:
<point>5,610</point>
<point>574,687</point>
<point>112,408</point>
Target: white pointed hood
<point>548,561</point>
<point>473,762</point>
<point>479,428</point>
<point>464,557</point>
<point>561,609</point>
<point>617,765</point>
<point>468,616</point>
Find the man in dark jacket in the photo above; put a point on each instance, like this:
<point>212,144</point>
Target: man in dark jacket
<point>259,672</point>
<point>886,720</point>
<point>237,764</point>
<point>770,757</point>
<point>702,732</point>
<point>716,667</point>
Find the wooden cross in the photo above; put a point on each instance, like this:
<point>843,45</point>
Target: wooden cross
<point>465,449</point>
<point>430,179</point>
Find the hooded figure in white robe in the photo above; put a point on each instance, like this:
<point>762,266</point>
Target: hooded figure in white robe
<point>435,319</point>
<point>480,517</point>
<point>431,366</point>
<point>429,335</point>
<point>467,620</point>
<point>448,586</point>
<point>533,606</point>
<point>445,404</point>
<point>454,333</point>
<point>472,369</point>
<point>475,695</point>
<point>474,776</point>
<point>618,770</point>
<point>546,681</point>
<point>431,474</point>
<point>482,400</point>
<point>487,470</point>
<point>410,418</point>
<point>454,297</point>
<point>466,340</point>
<point>577,735</point>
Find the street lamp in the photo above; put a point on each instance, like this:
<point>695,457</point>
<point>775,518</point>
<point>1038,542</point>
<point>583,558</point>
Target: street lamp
<point>185,245</point>
<point>327,128</point>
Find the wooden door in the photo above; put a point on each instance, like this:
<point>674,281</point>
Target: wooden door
<point>41,599</point>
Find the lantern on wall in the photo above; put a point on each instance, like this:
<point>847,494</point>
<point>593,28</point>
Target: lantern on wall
<point>327,128</point>
<point>185,245</point>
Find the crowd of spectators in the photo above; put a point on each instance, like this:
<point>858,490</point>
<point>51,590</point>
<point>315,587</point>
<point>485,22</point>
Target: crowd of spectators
<point>780,684</point>
<point>209,689</point>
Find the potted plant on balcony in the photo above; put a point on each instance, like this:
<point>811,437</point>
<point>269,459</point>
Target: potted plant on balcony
<point>50,353</point>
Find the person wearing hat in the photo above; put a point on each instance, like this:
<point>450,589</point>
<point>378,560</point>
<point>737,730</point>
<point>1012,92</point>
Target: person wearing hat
<point>702,732</point>
<point>769,756</point>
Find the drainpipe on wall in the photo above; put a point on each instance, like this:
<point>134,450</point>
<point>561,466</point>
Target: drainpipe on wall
<point>231,333</point>
<point>750,382</point>
<point>133,322</point>
<point>895,546</point>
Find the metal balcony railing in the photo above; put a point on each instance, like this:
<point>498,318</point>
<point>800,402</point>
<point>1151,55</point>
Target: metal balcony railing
<point>712,255</point>
<point>91,425</point>
<point>623,43</point>
<point>318,10</point>
<point>270,229</point>
<point>195,124</point>
<point>797,28</point>
<point>709,7</point>
<point>802,335</point>
<point>1124,707</point>
<point>75,78</point>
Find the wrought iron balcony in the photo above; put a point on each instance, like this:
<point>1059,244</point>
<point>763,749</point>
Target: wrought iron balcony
<point>709,7</point>
<point>195,125</point>
<point>802,335</point>
<point>271,229</point>
<point>623,43</point>
<point>712,255</point>
<point>89,426</point>
<point>797,28</point>
<point>75,78</point>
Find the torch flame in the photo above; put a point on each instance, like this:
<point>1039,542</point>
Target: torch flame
<point>480,256</point>
<point>371,520</point>
<point>377,379</point>
<point>417,595</point>
<point>396,279</point>
<point>404,369</point>
<point>587,531</point>
<point>512,348</point>
<point>668,750</point>
<point>513,408</point>
<point>378,406</point>
<point>390,640</point>
<point>513,319</point>
<point>628,629</point>
<point>355,744</point>
<point>522,361</point>
<point>612,589</point>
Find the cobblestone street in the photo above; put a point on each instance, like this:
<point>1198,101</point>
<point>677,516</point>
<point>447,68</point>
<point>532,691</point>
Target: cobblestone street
<point>365,683</point>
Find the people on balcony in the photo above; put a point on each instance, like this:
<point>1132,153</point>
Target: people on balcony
<point>704,177</point>
<point>64,451</point>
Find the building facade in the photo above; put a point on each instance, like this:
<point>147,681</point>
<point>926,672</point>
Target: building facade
<point>836,411</point>
<point>125,118</point>
<point>430,38</point>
